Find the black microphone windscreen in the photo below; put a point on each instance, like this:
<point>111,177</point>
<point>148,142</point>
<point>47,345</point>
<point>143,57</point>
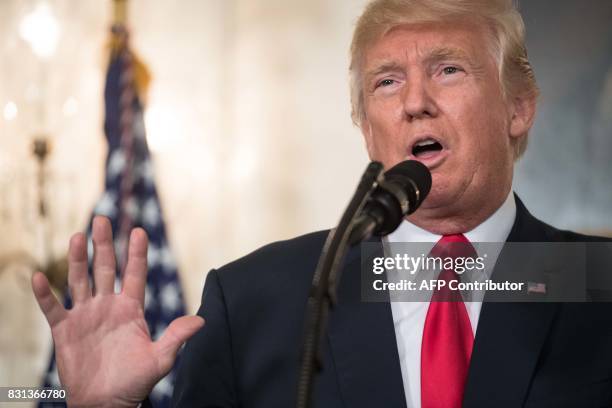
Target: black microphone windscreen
<point>414,170</point>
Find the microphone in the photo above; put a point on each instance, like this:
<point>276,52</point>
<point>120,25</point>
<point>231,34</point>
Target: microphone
<point>403,189</point>
<point>377,207</point>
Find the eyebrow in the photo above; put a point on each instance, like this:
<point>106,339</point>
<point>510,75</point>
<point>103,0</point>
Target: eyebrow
<point>383,67</point>
<point>433,56</point>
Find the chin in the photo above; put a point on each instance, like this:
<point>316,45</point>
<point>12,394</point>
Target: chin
<point>442,193</point>
<point>437,200</point>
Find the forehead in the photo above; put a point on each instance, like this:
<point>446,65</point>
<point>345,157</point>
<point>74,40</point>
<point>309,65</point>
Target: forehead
<point>414,42</point>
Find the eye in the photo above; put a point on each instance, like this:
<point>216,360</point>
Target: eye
<point>385,82</point>
<point>450,70</point>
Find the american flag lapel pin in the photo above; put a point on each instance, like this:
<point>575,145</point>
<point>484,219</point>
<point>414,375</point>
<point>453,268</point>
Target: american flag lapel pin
<point>536,287</point>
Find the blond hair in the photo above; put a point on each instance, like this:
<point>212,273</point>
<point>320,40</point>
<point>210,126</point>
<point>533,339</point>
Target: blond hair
<point>500,16</point>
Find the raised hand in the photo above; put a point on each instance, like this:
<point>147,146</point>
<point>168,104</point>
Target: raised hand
<point>103,349</point>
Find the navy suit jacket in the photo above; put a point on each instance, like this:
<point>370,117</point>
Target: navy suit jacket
<point>247,355</point>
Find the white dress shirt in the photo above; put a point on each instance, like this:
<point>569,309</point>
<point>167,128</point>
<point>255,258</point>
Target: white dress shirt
<point>409,317</point>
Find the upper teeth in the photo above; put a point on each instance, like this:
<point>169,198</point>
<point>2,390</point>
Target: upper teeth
<point>426,142</point>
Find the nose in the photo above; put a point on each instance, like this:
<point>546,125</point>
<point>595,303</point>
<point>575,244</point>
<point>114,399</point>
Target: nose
<point>417,100</point>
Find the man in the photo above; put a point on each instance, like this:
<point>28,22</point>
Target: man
<point>445,82</point>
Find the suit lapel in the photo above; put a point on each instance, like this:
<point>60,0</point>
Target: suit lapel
<point>509,337</point>
<point>363,345</point>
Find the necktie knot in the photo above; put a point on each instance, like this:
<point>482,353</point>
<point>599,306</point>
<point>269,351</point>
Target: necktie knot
<point>450,248</point>
<point>453,246</point>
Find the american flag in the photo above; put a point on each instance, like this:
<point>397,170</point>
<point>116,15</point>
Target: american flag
<point>130,199</point>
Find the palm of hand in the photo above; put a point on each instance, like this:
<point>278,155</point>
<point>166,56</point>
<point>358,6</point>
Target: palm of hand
<point>104,352</point>
<point>96,336</point>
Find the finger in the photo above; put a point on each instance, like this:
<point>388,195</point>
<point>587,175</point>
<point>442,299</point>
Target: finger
<point>51,308</point>
<point>78,280</point>
<point>173,338</point>
<point>104,265</point>
<point>135,275</point>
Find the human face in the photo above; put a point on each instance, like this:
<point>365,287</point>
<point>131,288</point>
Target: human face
<point>439,83</point>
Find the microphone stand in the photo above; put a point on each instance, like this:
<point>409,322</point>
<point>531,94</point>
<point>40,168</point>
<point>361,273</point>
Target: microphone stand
<point>322,295</point>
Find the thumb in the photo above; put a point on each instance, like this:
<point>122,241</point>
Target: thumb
<point>173,338</point>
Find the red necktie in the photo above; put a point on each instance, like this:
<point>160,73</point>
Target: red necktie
<point>447,336</point>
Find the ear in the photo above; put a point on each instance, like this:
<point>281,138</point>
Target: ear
<point>523,115</point>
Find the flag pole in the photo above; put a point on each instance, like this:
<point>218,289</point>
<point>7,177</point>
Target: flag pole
<point>120,12</point>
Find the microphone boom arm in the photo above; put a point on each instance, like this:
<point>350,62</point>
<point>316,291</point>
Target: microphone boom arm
<point>322,295</point>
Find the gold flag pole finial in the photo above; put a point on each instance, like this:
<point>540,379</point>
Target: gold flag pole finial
<point>119,43</point>
<point>118,39</point>
<point>120,12</point>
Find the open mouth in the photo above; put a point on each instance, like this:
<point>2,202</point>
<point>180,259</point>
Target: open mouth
<point>426,148</point>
